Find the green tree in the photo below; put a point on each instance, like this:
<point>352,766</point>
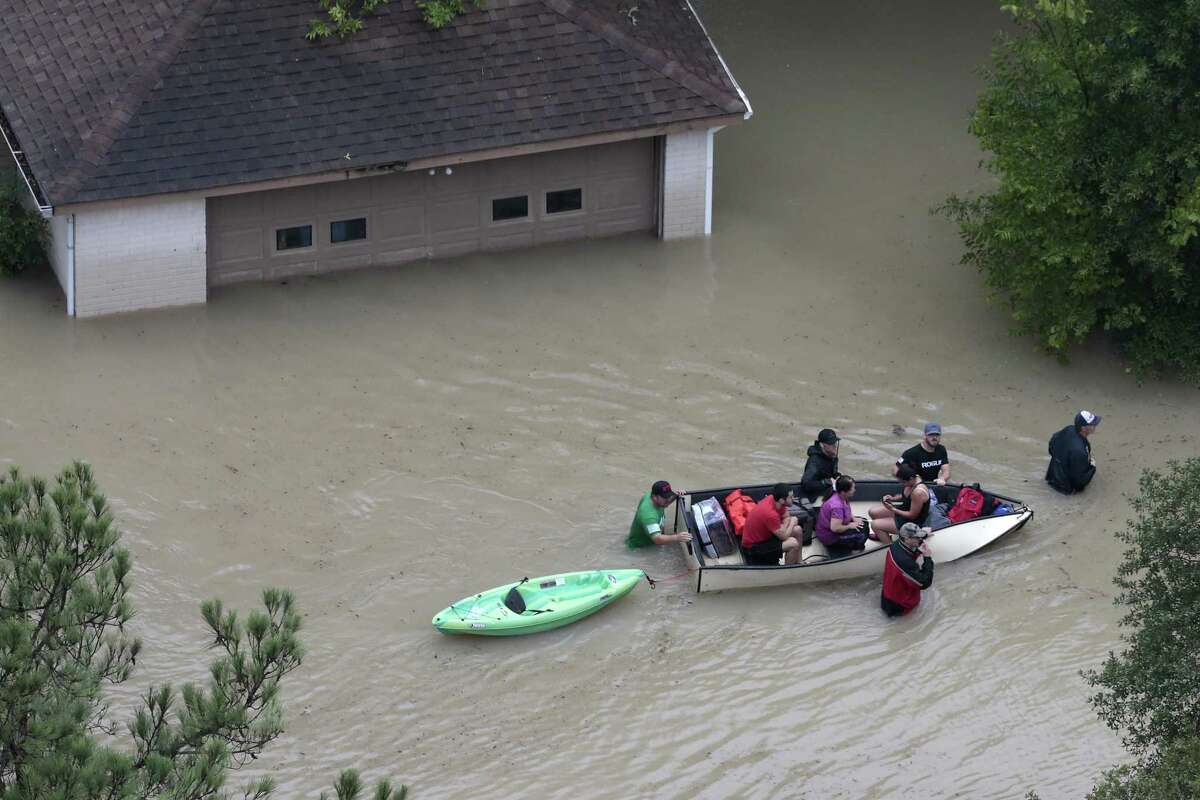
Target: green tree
<point>23,233</point>
<point>1173,775</point>
<point>64,611</point>
<point>1089,117</point>
<point>1150,691</point>
<point>344,18</point>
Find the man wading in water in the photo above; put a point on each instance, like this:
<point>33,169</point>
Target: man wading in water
<point>646,530</point>
<point>907,572</point>
<point>1072,466</point>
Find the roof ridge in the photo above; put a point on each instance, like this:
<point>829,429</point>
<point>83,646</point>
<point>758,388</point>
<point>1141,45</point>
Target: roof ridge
<point>105,134</point>
<point>653,58</point>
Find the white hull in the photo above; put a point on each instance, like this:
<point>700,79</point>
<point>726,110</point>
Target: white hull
<point>946,545</point>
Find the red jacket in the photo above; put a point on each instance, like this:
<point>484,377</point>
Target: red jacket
<point>903,580</point>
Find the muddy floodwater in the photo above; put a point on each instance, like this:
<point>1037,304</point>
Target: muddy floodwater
<point>386,442</point>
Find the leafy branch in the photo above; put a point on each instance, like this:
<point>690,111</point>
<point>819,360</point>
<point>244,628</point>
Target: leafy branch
<point>344,18</point>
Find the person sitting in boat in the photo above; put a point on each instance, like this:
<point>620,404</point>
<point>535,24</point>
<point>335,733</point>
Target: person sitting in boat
<point>911,505</point>
<point>928,457</point>
<point>647,527</point>
<point>770,532</point>
<point>837,527</point>
<point>1072,466</point>
<point>821,468</point>
<point>907,570</point>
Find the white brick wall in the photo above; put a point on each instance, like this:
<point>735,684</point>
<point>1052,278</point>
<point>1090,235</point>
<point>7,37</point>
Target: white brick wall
<point>139,254</point>
<point>687,184</point>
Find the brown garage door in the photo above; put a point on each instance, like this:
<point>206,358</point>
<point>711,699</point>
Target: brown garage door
<point>487,205</point>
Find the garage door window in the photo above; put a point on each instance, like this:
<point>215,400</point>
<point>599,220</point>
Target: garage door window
<point>504,208</point>
<point>348,230</point>
<point>564,200</point>
<point>293,238</point>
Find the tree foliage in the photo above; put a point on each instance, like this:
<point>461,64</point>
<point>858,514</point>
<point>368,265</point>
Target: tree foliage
<point>1150,691</point>
<point>344,18</point>
<point>64,612</point>
<point>23,233</point>
<point>1173,775</point>
<point>1089,116</point>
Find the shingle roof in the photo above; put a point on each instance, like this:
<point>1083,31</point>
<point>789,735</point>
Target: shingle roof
<point>118,99</point>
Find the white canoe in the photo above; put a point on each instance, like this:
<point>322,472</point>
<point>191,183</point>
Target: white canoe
<point>715,572</point>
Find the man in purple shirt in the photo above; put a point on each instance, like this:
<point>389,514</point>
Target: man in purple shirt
<point>837,528</point>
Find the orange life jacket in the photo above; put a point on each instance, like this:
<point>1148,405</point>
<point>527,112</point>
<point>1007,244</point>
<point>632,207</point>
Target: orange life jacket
<point>738,507</point>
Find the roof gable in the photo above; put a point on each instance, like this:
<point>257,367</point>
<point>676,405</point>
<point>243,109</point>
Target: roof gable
<point>92,58</point>
<point>204,93</point>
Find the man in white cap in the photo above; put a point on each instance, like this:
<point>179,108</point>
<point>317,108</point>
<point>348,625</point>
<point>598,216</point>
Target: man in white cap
<point>928,457</point>
<point>1072,466</point>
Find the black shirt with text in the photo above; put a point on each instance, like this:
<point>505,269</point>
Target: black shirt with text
<point>927,464</point>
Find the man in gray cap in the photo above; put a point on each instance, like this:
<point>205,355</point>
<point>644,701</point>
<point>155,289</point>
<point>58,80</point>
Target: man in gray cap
<point>1072,466</point>
<point>907,572</point>
<point>928,457</point>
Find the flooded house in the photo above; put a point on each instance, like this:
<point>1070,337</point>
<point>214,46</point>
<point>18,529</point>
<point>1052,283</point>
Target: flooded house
<point>198,143</point>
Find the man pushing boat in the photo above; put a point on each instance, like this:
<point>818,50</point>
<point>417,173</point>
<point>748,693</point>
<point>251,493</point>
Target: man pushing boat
<point>647,527</point>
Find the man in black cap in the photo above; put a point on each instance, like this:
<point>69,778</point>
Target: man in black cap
<point>821,469</point>
<point>1072,466</point>
<point>647,527</point>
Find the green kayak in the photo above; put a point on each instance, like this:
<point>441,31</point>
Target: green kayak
<point>534,605</point>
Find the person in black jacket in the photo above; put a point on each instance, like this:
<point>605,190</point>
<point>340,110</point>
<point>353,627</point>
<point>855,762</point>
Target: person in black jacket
<point>821,469</point>
<point>1072,466</point>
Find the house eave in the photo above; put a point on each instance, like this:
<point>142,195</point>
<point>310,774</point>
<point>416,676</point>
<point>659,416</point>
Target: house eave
<point>450,159</point>
<point>18,156</point>
<point>745,100</point>
<point>701,123</point>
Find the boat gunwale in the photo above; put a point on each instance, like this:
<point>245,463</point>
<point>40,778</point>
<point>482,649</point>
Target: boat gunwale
<point>1019,509</point>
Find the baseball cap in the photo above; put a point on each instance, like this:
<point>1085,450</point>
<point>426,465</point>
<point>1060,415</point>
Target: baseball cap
<point>933,427</point>
<point>1086,418</point>
<point>910,530</point>
<point>662,489</point>
<point>827,436</point>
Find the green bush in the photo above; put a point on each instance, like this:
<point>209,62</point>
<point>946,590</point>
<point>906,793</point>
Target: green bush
<point>23,233</point>
<point>1150,691</point>
<point>1089,116</point>
<point>1173,775</point>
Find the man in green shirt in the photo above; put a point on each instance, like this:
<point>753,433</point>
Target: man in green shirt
<point>647,527</point>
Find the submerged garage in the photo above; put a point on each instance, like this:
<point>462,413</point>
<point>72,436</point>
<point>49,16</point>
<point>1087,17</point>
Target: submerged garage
<point>519,201</point>
<point>171,164</point>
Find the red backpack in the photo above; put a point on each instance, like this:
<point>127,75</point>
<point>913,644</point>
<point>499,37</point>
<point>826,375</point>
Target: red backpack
<point>968,505</point>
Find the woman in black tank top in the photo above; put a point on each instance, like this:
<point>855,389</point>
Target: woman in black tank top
<point>888,517</point>
<point>905,506</point>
